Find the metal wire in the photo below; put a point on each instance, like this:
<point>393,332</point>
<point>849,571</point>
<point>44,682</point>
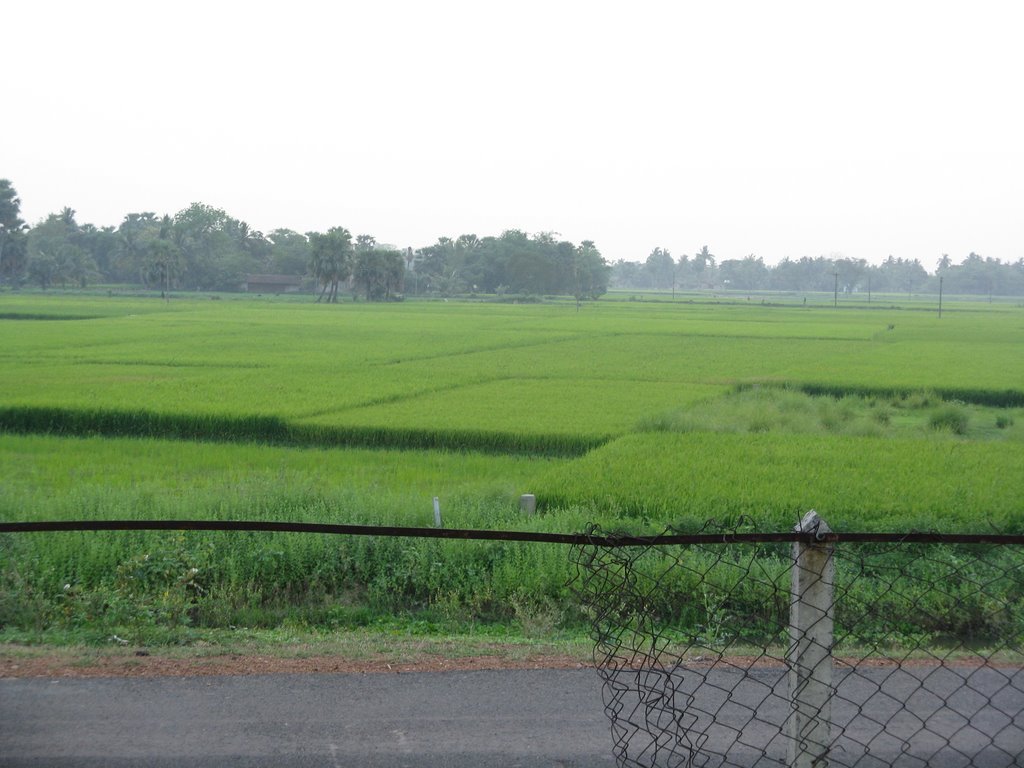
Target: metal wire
<point>703,664</point>
<point>612,540</point>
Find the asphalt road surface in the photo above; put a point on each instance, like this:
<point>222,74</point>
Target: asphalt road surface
<point>516,719</point>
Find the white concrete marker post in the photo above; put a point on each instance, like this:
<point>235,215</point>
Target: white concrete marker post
<point>437,513</point>
<point>811,614</point>
<point>528,503</point>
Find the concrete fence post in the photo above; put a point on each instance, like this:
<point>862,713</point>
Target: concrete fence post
<point>811,614</point>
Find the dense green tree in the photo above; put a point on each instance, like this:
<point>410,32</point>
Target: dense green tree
<point>331,256</point>
<point>660,269</point>
<point>747,274</point>
<point>522,264</point>
<point>289,252</point>
<point>55,252</point>
<point>199,233</point>
<point>78,265</point>
<point>253,248</point>
<point>44,269</point>
<point>852,274</point>
<point>513,263</point>
<point>590,272</point>
<point>12,234</point>
<point>378,273</point>
<point>804,274</point>
<point>985,276</point>
<point>134,234</point>
<point>217,251</point>
<point>703,266</point>
<point>163,264</point>
<point>435,266</point>
<point>101,245</point>
<point>974,275</point>
<point>898,275</point>
<point>626,274</point>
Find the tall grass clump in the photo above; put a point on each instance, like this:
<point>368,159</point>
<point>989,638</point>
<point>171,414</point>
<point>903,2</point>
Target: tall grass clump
<point>950,417</point>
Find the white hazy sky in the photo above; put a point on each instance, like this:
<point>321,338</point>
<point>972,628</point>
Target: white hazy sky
<point>775,128</point>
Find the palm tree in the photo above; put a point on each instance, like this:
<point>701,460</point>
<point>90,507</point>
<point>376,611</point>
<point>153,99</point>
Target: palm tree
<point>331,260</point>
<point>164,264</point>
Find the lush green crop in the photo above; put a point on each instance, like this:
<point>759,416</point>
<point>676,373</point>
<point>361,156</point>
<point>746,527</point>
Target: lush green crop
<point>856,483</point>
<point>303,361</point>
<point>643,414</point>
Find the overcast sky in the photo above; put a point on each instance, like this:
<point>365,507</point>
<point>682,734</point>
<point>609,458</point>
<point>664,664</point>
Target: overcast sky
<point>774,128</point>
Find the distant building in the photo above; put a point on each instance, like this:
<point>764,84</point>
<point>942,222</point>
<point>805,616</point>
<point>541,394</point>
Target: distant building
<point>272,284</point>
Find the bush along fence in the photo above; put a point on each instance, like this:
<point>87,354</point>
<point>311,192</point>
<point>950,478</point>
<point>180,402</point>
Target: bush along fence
<point>806,648</point>
<point>823,652</point>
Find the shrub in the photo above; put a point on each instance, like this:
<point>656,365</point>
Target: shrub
<point>949,417</point>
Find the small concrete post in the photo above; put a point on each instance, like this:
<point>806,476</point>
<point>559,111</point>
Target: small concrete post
<point>437,513</point>
<point>811,614</point>
<point>528,503</point>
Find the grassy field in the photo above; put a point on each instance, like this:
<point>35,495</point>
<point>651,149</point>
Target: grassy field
<point>634,414</point>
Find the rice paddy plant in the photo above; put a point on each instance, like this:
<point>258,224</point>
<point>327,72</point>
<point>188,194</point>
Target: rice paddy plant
<point>270,430</point>
<point>630,413</point>
<point>302,362</point>
<point>856,483</point>
<point>577,414</point>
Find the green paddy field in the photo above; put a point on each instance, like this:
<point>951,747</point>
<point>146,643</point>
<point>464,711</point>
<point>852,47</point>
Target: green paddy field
<point>633,414</point>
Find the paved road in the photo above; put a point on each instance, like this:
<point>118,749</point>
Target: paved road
<point>526,719</point>
<point>516,719</point>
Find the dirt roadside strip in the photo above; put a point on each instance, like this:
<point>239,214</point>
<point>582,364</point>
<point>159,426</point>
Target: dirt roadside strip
<point>144,665</point>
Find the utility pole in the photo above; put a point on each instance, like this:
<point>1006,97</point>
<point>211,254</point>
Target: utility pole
<point>835,297</point>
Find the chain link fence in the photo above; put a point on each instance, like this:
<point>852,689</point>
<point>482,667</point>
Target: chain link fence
<point>809,653</point>
<point>807,649</point>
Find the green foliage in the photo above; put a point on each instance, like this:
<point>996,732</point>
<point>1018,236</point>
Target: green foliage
<point>331,255</point>
<point>159,588</point>
<point>378,272</point>
<point>12,234</point>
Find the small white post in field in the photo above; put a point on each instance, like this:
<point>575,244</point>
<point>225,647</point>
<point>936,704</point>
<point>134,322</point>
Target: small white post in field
<point>437,513</point>
<point>528,503</point>
<point>811,615</point>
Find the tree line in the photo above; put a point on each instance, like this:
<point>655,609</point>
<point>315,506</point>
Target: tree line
<point>202,248</point>
<point>973,275</point>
